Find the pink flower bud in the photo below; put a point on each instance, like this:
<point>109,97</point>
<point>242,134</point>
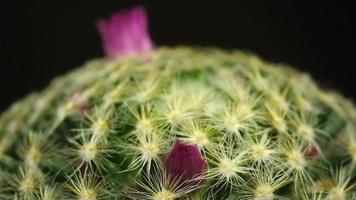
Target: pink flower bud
<point>81,103</point>
<point>312,152</point>
<point>185,163</point>
<point>125,33</point>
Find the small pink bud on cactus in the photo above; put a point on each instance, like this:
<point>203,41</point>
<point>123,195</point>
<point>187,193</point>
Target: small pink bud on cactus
<point>312,152</point>
<point>81,102</point>
<point>125,33</point>
<point>185,163</point>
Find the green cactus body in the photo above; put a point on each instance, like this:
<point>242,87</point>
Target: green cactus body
<point>103,131</point>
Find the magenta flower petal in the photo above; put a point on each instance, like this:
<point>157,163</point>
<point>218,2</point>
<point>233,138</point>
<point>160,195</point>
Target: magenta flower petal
<point>125,33</point>
<point>185,162</point>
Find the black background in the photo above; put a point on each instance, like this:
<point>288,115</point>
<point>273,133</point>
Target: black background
<point>42,39</point>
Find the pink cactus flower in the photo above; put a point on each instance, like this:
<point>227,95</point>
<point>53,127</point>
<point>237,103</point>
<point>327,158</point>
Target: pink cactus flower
<point>125,32</point>
<point>185,163</point>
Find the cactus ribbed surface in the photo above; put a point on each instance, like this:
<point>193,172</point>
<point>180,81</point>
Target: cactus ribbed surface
<point>252,129</point>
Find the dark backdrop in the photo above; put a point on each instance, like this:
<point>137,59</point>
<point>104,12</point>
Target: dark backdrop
<point>42,39</point>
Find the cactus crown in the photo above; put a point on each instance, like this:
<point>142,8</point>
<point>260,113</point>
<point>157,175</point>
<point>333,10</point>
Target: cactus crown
<point>247,129</point>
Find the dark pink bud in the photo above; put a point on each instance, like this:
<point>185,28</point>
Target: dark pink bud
<point>82,105</point>
<point>312,152</point>
<point>185,163</point>
<point>84,109</point>
<point>125,33</point>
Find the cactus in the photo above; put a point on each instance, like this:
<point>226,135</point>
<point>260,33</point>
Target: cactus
<point>178,123</point>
